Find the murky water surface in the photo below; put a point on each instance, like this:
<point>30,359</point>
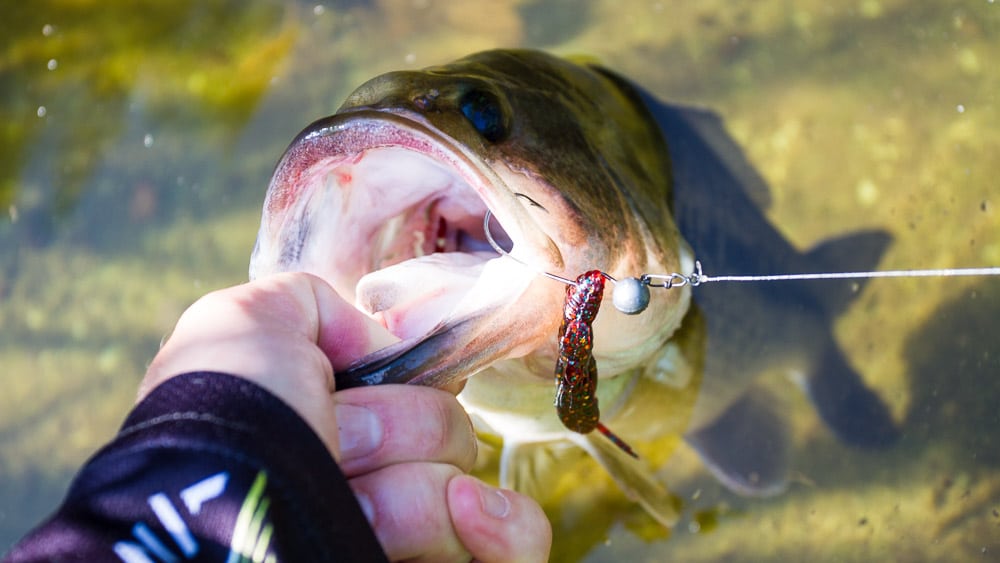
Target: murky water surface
<point>136,144</point>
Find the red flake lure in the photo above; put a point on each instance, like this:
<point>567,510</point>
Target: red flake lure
<point>576,369</point>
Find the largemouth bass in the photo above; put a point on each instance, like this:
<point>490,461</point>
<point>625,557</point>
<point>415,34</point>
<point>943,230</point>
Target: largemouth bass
<point>582,171</point>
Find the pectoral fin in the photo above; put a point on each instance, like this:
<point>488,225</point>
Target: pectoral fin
<point>634,477</point>
<point>746,448</point>
<point>530,468</point>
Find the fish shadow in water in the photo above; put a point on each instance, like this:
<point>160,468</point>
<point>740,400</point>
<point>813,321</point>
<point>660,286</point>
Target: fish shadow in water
<point>953,367</point>
<point>955,376</point>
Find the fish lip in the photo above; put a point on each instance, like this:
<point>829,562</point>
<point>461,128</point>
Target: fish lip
<point>392,127</point>
<point>384,128</point>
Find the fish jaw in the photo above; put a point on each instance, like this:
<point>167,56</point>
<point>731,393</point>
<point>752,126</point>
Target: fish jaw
<point>389,211</point>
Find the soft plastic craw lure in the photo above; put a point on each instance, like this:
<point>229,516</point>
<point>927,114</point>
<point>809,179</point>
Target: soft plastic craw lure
<point>576,369</point>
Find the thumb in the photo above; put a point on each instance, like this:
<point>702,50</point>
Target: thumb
<point>344,333</point>
<point>498,525</point>
<point>283,332</point>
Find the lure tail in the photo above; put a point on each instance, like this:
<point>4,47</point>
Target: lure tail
<point>616,440</point>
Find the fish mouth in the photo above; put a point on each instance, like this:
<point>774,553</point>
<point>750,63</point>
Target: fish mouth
<point>390,211</point>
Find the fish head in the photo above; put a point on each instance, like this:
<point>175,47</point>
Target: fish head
<point>386,199</point>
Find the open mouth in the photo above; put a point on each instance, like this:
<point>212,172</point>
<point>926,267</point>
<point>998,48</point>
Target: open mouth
<point>385,210</point>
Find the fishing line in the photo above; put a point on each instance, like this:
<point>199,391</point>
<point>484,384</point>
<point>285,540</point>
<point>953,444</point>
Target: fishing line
<point>698,277</point>
<point>631,295</point>
<point>502,252</point>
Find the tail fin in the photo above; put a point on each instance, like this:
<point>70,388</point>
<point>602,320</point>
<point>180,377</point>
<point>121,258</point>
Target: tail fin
<point>853,411</point>
<point>856,252</point>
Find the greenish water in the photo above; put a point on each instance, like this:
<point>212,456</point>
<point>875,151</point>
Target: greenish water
<point>136,144</point>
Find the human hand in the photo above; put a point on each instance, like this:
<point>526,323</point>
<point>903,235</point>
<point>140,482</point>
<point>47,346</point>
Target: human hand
<point>405,449</point>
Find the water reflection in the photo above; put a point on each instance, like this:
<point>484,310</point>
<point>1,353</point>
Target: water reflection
<point>95,90</point>
<point>116,125</point>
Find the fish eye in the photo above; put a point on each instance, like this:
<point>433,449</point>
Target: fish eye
<point>483,111</point>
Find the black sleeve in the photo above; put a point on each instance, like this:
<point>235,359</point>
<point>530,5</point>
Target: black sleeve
<point>209,467</point>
